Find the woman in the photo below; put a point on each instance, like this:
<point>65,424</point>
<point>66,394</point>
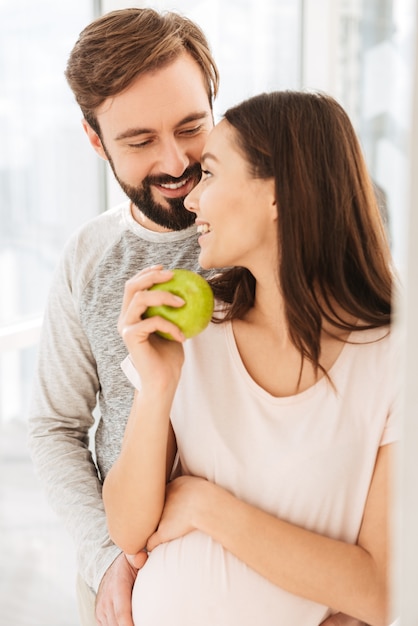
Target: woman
<point>282,410</point>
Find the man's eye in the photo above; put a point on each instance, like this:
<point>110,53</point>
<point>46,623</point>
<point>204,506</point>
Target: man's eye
<point>141,144</point>
<point>191,131</point>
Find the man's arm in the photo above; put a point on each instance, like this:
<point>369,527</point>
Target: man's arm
<point>61,416</point>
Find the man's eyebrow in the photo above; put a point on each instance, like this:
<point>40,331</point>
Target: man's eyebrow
<point>136,132</point>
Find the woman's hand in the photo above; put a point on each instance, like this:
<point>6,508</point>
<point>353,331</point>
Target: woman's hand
<point>158,361</point>
<point>184,496</point>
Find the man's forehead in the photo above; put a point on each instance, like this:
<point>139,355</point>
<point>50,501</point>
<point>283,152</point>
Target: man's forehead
<point>173,91</point>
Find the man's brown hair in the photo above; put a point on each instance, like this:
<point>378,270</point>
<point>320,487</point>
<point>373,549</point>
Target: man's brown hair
<point>116,48</point>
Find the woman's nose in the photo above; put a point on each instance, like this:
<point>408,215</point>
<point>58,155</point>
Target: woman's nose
<point>191,201</point>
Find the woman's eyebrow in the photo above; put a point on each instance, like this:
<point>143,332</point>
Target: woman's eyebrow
<point>209,156</point>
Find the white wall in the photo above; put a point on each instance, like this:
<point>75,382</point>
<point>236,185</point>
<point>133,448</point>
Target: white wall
<point>408,535</point>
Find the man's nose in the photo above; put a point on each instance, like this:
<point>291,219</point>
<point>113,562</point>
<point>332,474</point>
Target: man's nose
<point>173,158</point>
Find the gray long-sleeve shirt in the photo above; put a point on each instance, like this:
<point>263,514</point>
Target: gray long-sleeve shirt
<point>79,368</point>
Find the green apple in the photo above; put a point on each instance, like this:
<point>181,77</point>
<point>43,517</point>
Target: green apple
<point>196,313</point>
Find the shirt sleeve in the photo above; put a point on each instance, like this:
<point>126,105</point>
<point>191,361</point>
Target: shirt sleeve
<point>60,421</point>
<point>392,431</point>
<point>130,372</point>
<point>393,426</point>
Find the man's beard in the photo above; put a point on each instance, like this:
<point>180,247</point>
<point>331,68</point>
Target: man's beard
<point>173,217</point>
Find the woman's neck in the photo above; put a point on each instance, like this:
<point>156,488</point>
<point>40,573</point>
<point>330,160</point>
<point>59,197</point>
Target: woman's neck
<point>269,309</point>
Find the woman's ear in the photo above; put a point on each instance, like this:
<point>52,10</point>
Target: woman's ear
<point>273,201</point>
<point>94,139</point>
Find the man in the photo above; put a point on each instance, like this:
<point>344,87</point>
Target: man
<point>145,84</point>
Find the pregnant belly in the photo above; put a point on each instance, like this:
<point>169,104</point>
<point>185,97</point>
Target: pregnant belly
<point>193,581</point>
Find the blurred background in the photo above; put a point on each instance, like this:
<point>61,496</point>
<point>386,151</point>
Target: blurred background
<point>363,52</point>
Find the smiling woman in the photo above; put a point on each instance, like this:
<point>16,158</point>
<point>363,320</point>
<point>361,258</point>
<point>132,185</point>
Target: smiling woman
<point>231,192</point>
<point>291,381</point>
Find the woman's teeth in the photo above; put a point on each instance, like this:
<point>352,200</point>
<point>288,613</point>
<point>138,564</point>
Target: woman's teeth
<point>203,228</point>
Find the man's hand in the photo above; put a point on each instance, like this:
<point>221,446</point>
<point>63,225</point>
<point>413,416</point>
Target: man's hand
<point>339,619</point>
<point>113,602</point>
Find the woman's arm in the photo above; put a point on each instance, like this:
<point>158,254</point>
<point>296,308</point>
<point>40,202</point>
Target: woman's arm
<point>353,579</point>
<point>134,489</point>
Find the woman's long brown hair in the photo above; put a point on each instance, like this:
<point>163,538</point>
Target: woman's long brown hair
<point>332,242</point>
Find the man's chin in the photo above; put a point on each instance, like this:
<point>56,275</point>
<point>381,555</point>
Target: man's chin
<point>168,204</point>
<point>172,217</point>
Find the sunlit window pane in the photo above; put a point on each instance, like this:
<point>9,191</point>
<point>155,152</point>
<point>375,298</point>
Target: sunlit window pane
<point>376,46</point>
<point>48,175</point>
<point>49,184</point>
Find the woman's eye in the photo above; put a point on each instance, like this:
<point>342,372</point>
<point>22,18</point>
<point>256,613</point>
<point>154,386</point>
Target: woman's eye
<point>206,174</point>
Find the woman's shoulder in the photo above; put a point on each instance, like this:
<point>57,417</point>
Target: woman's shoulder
<point>384,339</point>
<point>212,341</point>
<point>375,356</point>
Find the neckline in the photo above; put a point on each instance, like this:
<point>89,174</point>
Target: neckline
<point>320,384</point>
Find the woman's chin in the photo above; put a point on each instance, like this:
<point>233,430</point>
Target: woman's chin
<point>205,263</point>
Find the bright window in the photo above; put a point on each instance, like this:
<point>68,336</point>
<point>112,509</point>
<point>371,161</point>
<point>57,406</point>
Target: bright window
<point>48,173</point>
<point>376,55</point>
<point>49,184</point>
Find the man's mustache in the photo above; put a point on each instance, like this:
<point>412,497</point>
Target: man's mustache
<point>193,171</point>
